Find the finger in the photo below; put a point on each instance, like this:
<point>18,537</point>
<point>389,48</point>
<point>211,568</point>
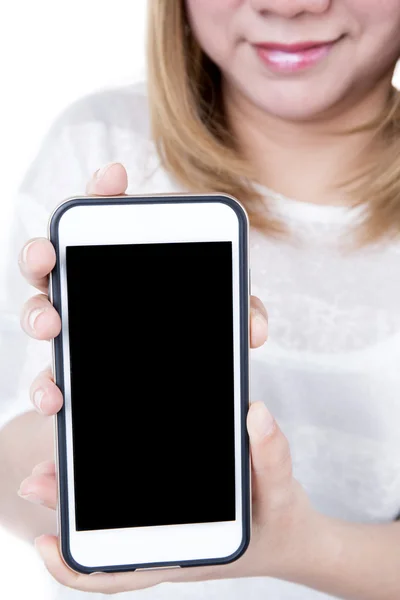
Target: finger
<point>46,397</point>
<point>36,260</point>
<point>113,583</point>
<point>40,489</point>
<point>108,583</point>
<point>39,319</point>
<point>110,180</point>
<point>270,457</point>
<point>258,322</point>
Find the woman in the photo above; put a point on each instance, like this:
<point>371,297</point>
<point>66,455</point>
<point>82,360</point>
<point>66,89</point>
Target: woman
<point>287,105</point>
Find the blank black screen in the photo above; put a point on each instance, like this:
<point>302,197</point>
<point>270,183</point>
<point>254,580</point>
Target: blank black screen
<point>151,354</point>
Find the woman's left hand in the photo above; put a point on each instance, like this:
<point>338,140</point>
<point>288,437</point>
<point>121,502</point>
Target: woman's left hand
<point>284,523</point>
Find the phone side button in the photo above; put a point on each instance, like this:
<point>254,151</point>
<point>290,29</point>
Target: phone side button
<point>250,282</point>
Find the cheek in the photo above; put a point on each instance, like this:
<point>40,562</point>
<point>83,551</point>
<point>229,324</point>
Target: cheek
<point>374,9</point>
<point>200,11</point>
<point>370,14</point>
<point>212,22</point>
<point>211,6</point>
<point>380,22</point>
<point>374,35</point>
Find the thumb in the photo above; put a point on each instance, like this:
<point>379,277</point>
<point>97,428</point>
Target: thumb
<point>271,461</point>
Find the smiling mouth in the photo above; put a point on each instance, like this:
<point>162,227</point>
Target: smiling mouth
<point>291,58</point>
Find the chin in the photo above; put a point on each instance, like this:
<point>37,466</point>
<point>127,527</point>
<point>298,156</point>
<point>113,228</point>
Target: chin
<point>295,112</point>
<point>297,105</point>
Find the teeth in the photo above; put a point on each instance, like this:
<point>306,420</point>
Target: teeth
<point>284,57</point>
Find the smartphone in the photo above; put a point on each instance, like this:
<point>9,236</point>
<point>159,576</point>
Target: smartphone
<point>153,363</point>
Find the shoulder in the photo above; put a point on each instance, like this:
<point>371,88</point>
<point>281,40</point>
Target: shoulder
<point>108,126</point>
<point>96,128</point>
<point>111,125</point>
<point>124,107</point>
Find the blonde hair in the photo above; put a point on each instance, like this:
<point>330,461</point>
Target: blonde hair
<point>195,144</point>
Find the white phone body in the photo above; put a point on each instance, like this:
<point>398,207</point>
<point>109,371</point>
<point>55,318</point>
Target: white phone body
<point>125,221</point>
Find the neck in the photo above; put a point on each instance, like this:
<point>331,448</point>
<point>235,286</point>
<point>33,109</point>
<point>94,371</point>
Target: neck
<point>306,160</point>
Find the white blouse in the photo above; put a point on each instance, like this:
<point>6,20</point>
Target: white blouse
<point>330,372</point>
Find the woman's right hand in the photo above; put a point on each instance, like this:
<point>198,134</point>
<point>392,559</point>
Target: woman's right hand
<point>41,321</point>
<point>37,259</point>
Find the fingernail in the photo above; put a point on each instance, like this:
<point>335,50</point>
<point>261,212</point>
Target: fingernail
<point>261,422</point>
<point>24,253</point>
<point>32,498</point>
<point>38,398</point>
<point>101,172</point>
<point>33,315</point>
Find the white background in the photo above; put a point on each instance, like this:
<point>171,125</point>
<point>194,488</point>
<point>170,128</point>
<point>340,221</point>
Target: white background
<point>53,52</point>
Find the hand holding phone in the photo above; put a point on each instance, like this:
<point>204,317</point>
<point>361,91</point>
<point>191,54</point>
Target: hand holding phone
<point>269,528</point>
<point>179,439</point>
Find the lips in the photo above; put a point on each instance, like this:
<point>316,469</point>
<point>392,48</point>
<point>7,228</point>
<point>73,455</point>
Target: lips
<point>290,58</point>
<point>299,47</point>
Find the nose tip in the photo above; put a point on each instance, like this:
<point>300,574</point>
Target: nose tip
<point>290,8</point>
